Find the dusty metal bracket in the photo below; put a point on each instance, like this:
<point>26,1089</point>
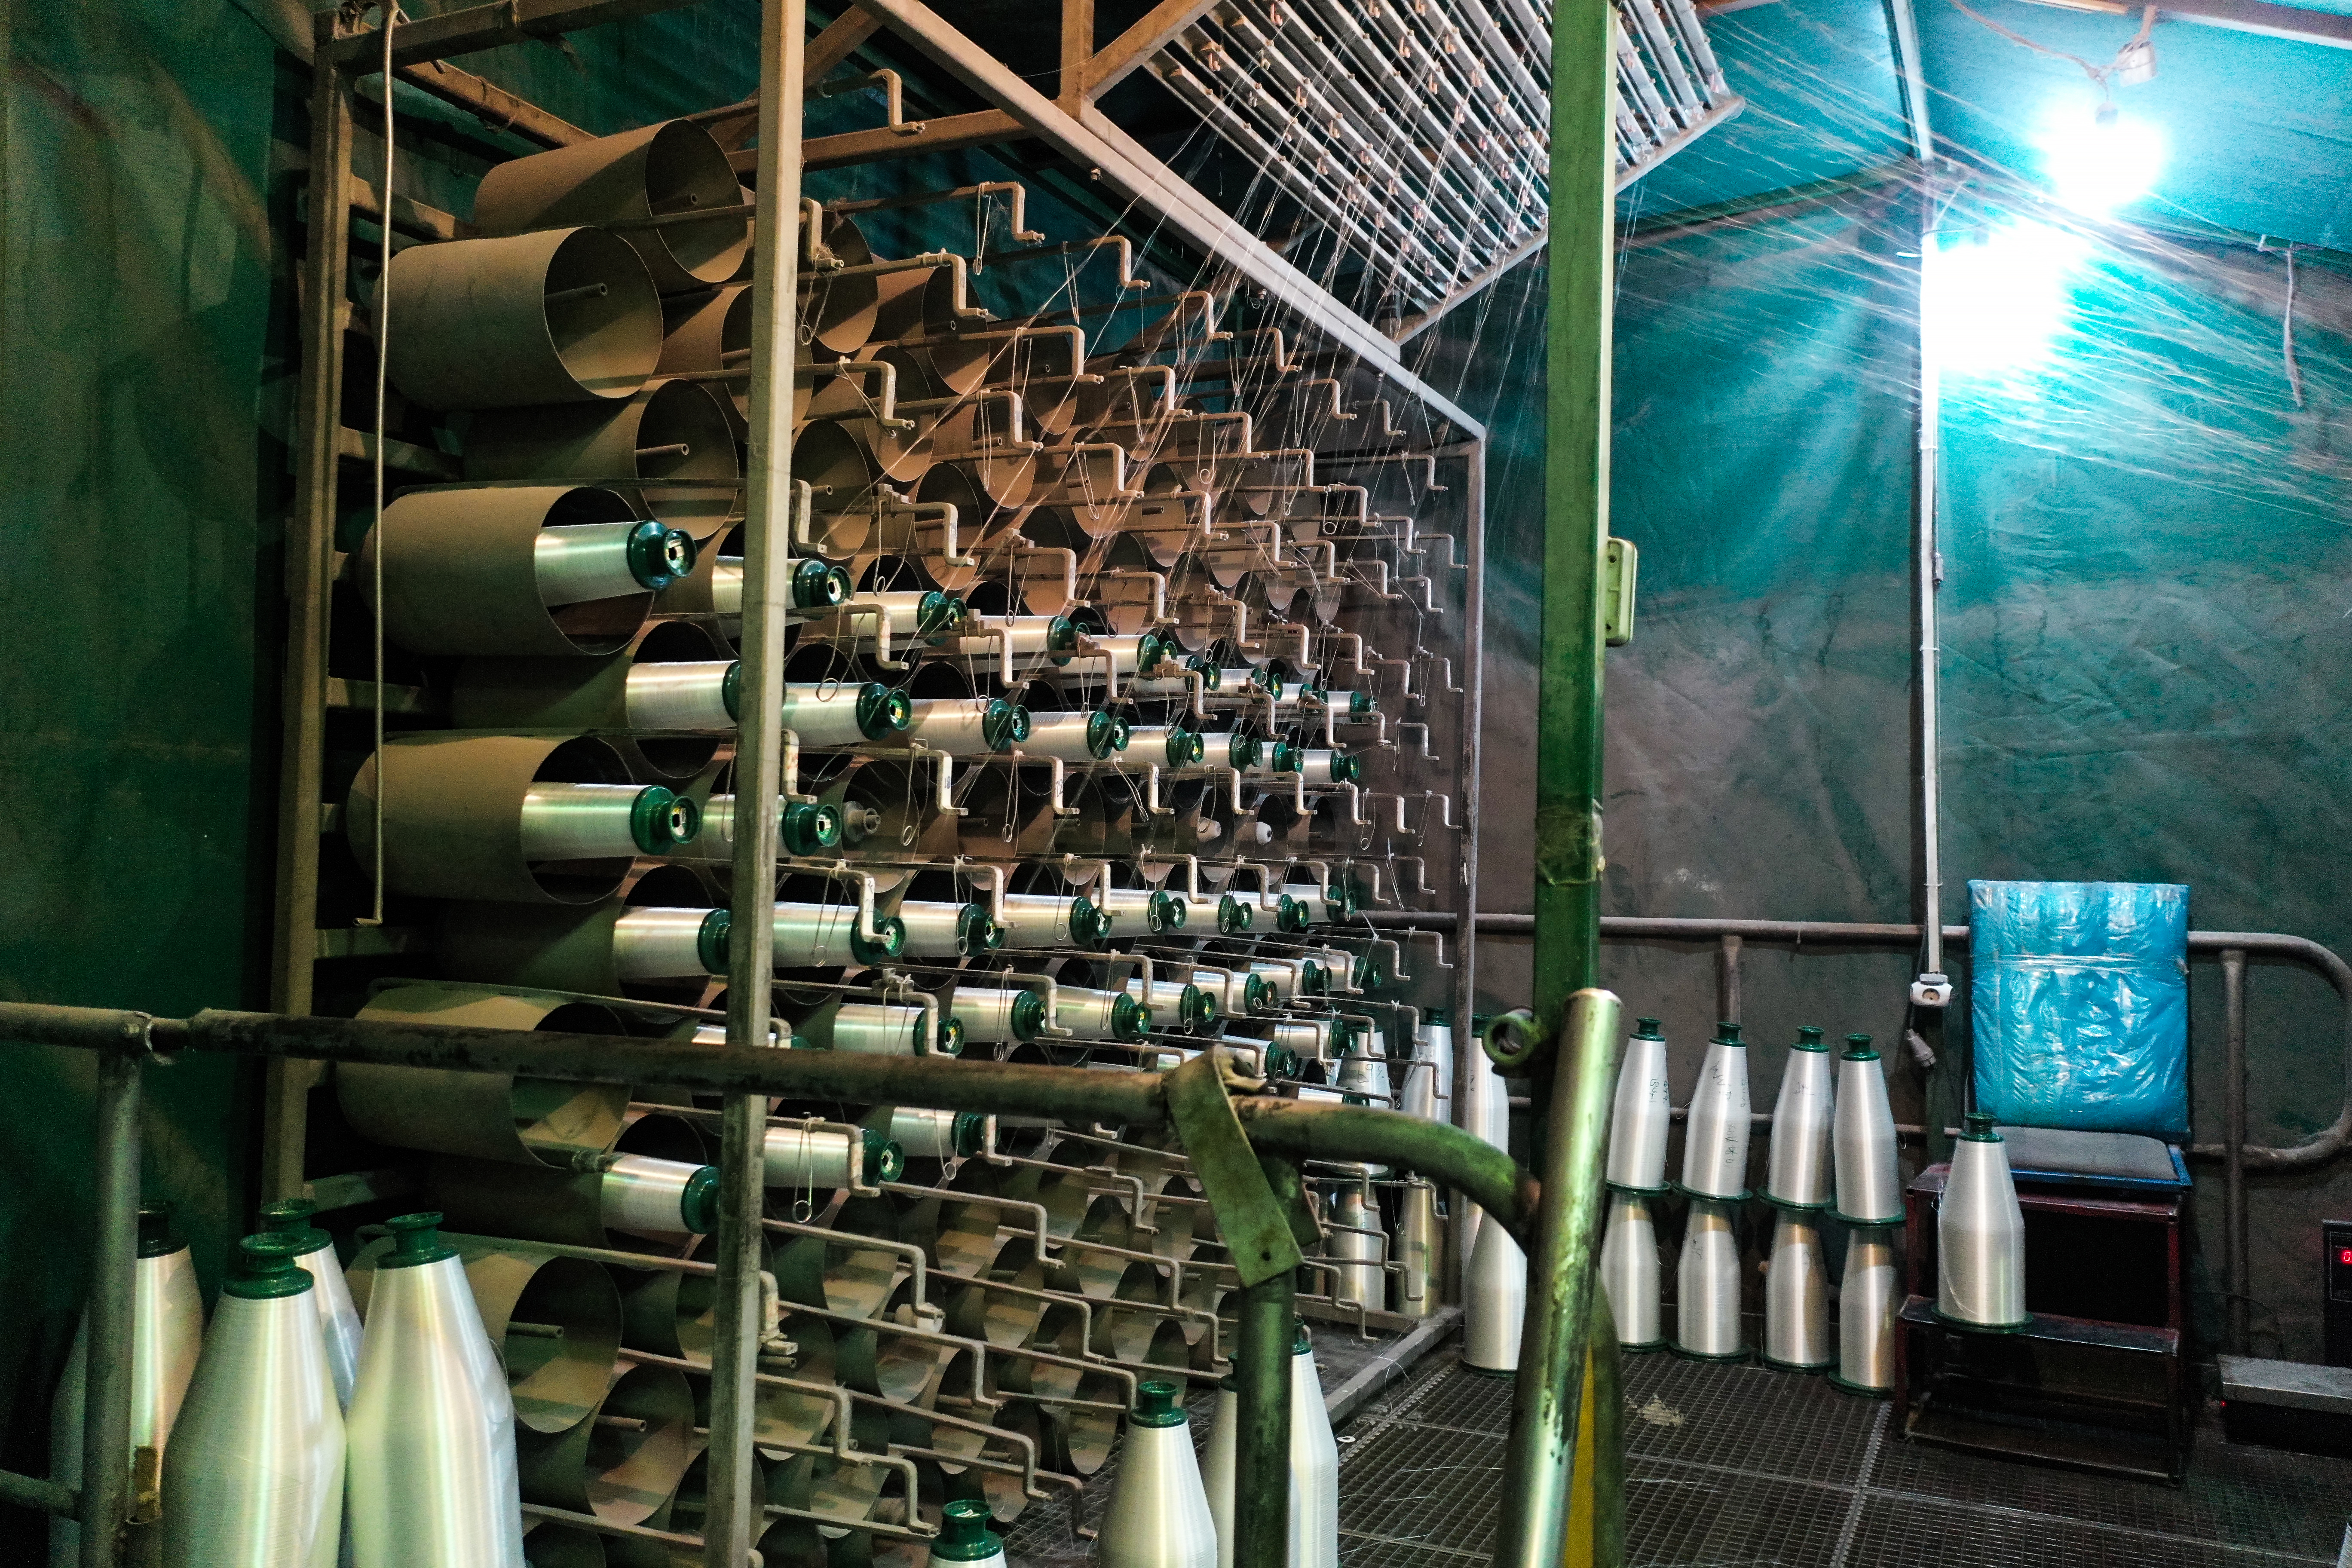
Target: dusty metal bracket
<point>1254,1222</point>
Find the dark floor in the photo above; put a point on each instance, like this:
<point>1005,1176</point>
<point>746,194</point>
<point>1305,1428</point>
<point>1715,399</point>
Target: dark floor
<point>1743,1468</point>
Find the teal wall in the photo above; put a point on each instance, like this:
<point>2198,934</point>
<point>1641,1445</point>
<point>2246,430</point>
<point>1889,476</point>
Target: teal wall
<point>143,487</point>
<point>2145,627</point>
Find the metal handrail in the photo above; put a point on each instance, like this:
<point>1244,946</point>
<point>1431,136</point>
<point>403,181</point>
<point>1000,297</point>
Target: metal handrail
<point>126,1040</point>
<point>2232,947</point>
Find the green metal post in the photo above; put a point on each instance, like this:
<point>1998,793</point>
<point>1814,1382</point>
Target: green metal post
<point>1576,511</point>
<point>1561,1261</point>
<point>1262,1368</point>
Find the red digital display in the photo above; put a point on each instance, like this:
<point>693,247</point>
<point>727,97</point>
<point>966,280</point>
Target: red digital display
<point>2344,1256</point>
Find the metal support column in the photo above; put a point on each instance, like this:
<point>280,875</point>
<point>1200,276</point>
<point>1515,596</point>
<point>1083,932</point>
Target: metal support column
<point>106,1490</point>
<point>1561,1269</point>
<point>1262,1369</point>
<point>1468,1061</point>
<point>729,1526</point>
<point>309,573</point>
<point>1570,1078</point>
<point>1576,513</point>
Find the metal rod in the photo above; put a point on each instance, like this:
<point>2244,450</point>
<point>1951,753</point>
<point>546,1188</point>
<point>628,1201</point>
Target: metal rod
<point>1904,25</point>
<point>42,1496</point>
<point>1567,851</point>
<point>1545,1403</point>
<point>2234,1135</point>
<point>731,1525</point>
<point>113,1284</point>
<point>1727,976</point>
<point>1466,1061</point>
<point>309,574</point>
<point>1262,1372</point>
<point>1927,568</point>
<point>2312,1152</point>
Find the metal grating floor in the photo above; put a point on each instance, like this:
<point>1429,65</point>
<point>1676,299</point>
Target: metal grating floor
<point>1742,1468</point>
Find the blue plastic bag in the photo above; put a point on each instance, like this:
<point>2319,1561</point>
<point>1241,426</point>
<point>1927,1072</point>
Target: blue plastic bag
<point>2081,1005</point>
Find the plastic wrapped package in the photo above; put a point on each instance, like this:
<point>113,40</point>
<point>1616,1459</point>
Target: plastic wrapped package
<point>2080,1008</point>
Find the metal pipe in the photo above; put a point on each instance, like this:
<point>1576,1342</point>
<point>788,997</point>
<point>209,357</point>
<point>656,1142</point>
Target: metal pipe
<point>1545,1405</point>
<point>2312,1152</point>
<point>1727,976</point>
<point>1261,1373</point>
<point>1448,1156</point>
<point>2233,1134</point>
<point>1904,25</point>
<point>1568,850</point>
<point>1082,1095</point>
<point>1929,572</point>
<point>1466,1056</point>
<point>730,1522</point>
<point>106,1460</point>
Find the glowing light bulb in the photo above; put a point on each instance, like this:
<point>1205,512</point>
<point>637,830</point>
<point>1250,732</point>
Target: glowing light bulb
<point>2096,163</point>
<point>1996,297</point>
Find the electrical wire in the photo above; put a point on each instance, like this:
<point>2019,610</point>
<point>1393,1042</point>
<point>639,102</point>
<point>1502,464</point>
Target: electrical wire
<point>2101,75</point>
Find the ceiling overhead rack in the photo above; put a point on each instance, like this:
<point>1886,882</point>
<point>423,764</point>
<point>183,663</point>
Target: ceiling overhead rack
<point>1418,137</point>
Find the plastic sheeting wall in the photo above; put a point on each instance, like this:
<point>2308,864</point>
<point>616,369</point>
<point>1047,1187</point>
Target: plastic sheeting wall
<point>2145,628</point>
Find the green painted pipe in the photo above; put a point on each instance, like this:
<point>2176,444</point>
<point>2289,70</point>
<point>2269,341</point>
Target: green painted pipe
<point>1447,1156</point>
<point>1561,1263</point>
<point>1576,509</point>
<point>1262,1372</point>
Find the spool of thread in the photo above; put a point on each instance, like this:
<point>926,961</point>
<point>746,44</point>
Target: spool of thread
<point>1867,1301</point>
<point>691,697</point>
<point>430,1473</point>
<point>256,1479</point>
<point>966,726</point>
<point>1076,738</point>
<point>1799,1172</point>
<point>1715,1137</point>
<point>1495,1301</point>
<point>1094,1014</point>
<point>575,563</point>
<point>1797,1296</point>
<point>641,1195</point>
<point>1145,909</point>
<point>604,822</point>
<point>1314,1465</point>
<point>1869,1185</point>
<point>1052,919</point>
<point>1429,1091</point>
<point>1631,1272</point>
<point>998,1016</point>
<point>1707,1287</point>
<point>1980,1235</point>
<point>918,614</point>
<point>338,1319</point>
<point>880,1028</point>
<point>965,1538</point>
<point>167,1332</point>
<point>1420,1246</point>
<point>1177,1004</point>
<point>937,1134</point>
<point>1641,1114</point>
<point>947,931</point>
<point>798,1156</point>
<point>842,713</point>
<point>1327,768</point>
<point>1164,745</point>
<point>804,828</point>
<point>1217,1462</point>
<point>1358,1244</point>
<point>1158,1515</point>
